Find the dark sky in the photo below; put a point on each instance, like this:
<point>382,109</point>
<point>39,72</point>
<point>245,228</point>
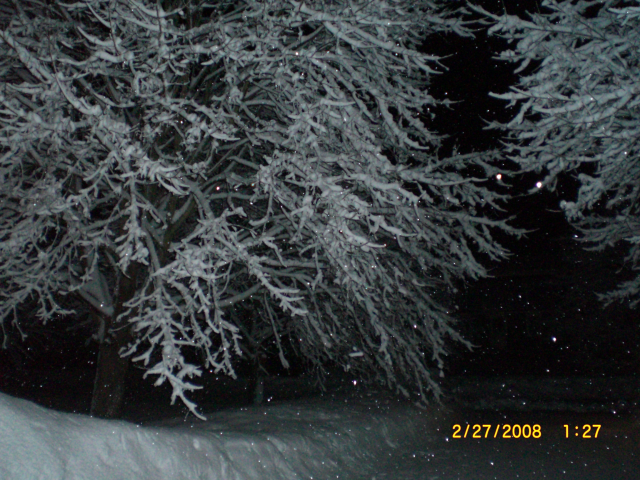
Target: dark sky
<point>538,313</point>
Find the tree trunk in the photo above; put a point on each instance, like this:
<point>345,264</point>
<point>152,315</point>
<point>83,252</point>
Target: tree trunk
<point>111,371</point>
<point>111,374</point>
<point>256,381</point>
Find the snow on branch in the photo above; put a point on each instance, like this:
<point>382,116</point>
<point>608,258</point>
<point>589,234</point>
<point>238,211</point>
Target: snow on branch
<point>226,155</point>
<point>578,99</point>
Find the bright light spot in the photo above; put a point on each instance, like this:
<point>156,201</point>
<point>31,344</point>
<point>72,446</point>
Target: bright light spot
<point>499,176</point>
<point>553,339</point>
<point>539,184</point>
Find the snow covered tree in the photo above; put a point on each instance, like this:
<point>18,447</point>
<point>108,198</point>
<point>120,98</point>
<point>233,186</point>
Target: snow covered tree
<point>166,162</point>
<point>578,100</point>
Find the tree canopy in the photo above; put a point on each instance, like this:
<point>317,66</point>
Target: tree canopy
<point>175,164</point>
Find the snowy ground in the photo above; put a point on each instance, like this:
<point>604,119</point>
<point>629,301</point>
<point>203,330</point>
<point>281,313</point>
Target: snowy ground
<point>350,434</point>
<point>327,438</point>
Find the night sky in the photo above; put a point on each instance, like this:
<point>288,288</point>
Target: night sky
<point>537,314</point>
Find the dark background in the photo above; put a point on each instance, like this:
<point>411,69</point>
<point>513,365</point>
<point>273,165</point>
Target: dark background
<point>538,313</point>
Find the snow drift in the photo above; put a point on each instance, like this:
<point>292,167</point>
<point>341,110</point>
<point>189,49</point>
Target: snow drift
<point>287,441</point>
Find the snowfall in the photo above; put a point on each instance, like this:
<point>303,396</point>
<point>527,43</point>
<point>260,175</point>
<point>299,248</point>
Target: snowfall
<point>349,433</point>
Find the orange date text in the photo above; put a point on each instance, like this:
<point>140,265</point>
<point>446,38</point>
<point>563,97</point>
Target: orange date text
<point>497,431</point>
